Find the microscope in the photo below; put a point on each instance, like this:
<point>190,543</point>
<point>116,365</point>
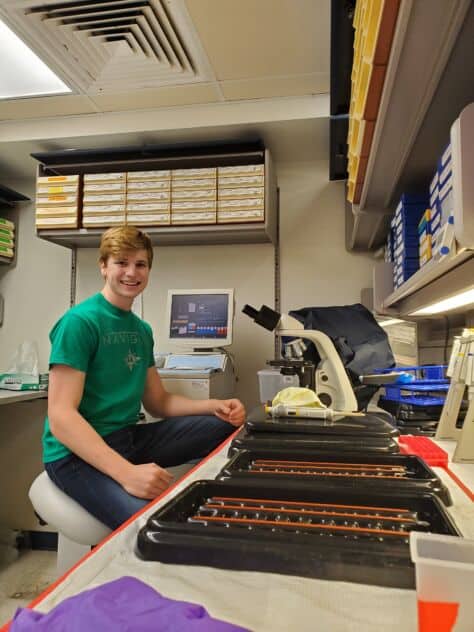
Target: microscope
<point>329,379</point>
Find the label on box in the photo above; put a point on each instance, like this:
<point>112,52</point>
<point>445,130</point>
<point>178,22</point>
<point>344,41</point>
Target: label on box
<point>198,183</point>
<point>241,170</point>
<point>434,182</point>
<point>242,181</point>
<point>57,179</point>
<point>206,172</point>
<point>247,203</point>
<point>104,177</point>
<point>161,174</point>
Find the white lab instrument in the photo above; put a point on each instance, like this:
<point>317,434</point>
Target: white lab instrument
<point>199,375</point>
<point>461,372</point>
<point>332,384</point>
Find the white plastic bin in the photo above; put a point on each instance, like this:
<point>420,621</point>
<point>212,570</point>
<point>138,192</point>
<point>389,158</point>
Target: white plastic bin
<point>444,582</point>
<point>271,381</point>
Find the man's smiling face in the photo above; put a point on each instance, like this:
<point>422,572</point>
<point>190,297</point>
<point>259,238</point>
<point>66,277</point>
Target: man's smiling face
<point>126,275</point>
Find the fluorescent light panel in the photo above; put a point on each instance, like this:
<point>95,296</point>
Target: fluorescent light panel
<point>453,302</point>
<point>23,73</point>
<point>390,321</point>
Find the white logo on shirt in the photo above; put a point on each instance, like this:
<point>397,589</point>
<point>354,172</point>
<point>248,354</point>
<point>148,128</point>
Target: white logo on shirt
<point>132,359</point>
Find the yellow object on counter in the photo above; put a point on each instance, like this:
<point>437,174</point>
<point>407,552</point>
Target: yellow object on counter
<point>297,396</point>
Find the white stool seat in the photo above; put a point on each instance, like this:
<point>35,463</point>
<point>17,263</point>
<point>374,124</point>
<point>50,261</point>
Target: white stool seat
<point>64,513</point>
<point>78,530</point>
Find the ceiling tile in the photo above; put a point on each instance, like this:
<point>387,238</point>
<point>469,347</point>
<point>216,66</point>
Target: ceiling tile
<point>40,107</point>
<point>267,87</point>
<point>155,98</point>
<point>258,38</point>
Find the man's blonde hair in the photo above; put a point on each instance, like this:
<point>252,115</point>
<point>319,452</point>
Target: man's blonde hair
<point>124,238</point>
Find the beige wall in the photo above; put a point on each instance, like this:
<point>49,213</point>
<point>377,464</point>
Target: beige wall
<point>316,269</point>
<point>36,288</point>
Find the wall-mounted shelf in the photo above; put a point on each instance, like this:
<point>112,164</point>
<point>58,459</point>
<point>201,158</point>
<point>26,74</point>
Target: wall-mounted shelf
<point>428,83</point>
<point>437,278</point>
<point>167,157</point>
<point>8,197</point>
<point>169,235</point>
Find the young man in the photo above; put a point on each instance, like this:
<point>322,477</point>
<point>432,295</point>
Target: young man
<point>101,370</point>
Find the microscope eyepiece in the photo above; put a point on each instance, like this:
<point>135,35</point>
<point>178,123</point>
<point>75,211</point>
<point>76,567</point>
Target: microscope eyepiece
<point>266,317</point>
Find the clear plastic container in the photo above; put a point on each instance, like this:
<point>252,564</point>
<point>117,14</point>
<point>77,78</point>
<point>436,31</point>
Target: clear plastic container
<point>271,381</point>
<point>444,582</point>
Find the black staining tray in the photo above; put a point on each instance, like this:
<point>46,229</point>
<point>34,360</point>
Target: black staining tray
<point>384,473</point>
<point>330,534</point>
<point>370,424</point>
<point>333,444</point>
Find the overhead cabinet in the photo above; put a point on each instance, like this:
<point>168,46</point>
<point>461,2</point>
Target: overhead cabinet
<point>200,195</point>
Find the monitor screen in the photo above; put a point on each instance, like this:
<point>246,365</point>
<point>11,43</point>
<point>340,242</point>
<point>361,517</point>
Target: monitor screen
<point>200,318</point>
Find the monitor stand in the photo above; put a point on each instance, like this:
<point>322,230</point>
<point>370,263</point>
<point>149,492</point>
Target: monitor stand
<point>199,375</point>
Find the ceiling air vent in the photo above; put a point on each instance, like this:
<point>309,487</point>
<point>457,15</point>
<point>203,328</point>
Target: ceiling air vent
<point>112,45</point>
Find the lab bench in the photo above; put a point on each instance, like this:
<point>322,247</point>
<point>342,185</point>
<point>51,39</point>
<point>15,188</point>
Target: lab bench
<point>259,601</point>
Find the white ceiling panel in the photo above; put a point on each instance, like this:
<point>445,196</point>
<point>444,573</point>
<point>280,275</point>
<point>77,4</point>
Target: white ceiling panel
<point>258,38</point>
<point>156,98</point>
<point>267,87</point>
<point>39,107</point>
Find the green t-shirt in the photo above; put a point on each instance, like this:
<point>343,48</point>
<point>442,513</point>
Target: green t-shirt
<point>114,348</point>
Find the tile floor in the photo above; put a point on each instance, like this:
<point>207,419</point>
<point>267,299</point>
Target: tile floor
<point>23,578</point>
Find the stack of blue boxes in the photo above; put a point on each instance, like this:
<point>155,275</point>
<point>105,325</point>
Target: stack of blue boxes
<point>441,195</point>
<point>404,227</point>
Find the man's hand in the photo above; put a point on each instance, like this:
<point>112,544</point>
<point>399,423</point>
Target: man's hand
<point>230,410</point>
<point>146,481</point>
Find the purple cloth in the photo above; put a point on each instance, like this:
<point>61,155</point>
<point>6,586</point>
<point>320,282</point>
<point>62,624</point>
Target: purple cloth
<point>124,605</point>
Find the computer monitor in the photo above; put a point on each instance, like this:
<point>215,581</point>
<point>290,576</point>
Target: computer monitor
<point>200,318</point>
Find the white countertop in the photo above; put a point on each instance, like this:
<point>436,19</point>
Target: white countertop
<point>11,397</point>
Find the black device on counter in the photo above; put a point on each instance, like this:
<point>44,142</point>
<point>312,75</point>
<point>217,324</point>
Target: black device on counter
<point>300,441</point>
<point>391,473</point>
<point>345,535</point>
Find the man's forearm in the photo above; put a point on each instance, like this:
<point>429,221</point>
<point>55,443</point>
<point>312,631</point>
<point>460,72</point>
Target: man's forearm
<point>81,438</point>
<point>173,405</point>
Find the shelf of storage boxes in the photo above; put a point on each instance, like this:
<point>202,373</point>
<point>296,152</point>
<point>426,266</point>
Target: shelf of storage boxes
<point>374,24</point>
<point>241,194</point>
<point>403,240</point>
<point>422,228</point>
<point>203,196</point>
<point>194,196</point>
<point>57,202</point>
<point>104,199</point>
<point>149,198</point>
<point>440,227</point>
<point>7,240</point>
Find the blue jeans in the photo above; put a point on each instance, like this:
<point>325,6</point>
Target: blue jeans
<point>166,443</point>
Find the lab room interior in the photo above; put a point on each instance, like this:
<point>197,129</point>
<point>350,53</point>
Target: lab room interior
<point>236,315</point>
